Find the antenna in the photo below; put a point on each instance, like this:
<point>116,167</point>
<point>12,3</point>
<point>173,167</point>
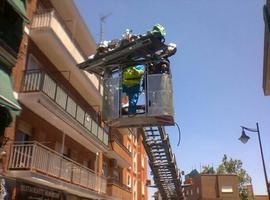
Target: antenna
<point>102,21</point>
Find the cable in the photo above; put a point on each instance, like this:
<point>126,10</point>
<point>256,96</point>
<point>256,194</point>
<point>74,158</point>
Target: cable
<point>180,134</point>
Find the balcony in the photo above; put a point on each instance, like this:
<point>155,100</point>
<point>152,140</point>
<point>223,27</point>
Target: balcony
<point>48,25</point>
<point>50,33</point>
<point>118,190</point>
<point>34,162</point>
<point>45,97</point>
<point>119,152</point>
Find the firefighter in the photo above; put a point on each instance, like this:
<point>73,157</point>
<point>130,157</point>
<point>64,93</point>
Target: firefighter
<point>131,85</point>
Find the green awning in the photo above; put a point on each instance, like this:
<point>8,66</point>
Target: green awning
<point>19,7</point>
<point>7,98</point>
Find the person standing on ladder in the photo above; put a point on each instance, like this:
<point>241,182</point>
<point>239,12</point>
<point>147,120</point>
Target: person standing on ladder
<point>131,85</point>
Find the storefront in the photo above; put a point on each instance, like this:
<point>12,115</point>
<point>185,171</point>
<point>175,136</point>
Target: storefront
<point>15,189</point>
<point>11,189</point>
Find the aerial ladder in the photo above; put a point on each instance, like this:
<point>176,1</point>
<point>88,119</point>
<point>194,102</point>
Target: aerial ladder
<point>155,113</point>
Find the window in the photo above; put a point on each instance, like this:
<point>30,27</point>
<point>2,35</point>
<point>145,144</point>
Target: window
<point>135,136</point>
<point>32,63</point>
<point>135,140</point>
<point>129,136</point>
<point>135,156</point>
<point>116,175</point>
<point>198,190</point>
<point>227,189</point>
<point>104,168</point>
<point>23,132</point>
<point>21,136</point>
<point>87,163</point>
<point>142,158</point>
<point>128,180</point>
<point>134,195</point>
<point>135,161</point>
<point>142,188</point>
<point>11,26</point>
<point>58,147</point>
<point>135,167</point>
<point>129,147</point>
<point>134,185</point>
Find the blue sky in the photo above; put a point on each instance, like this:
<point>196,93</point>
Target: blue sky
<point>217,73</point>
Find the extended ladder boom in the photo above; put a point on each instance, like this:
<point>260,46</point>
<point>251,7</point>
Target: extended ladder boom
<point>162,163</point>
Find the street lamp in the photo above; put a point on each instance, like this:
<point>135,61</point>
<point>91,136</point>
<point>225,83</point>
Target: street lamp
<point>244,138</point>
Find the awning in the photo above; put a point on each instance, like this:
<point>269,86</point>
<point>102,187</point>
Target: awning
<point>19,7</point>
<point>7,98</point>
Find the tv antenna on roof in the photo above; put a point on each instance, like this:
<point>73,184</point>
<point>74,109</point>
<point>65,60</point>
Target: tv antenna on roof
<point>102,21</point>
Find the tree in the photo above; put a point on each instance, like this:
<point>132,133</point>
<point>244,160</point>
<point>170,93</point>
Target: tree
<point>232,166</point>
<point>207,169</point>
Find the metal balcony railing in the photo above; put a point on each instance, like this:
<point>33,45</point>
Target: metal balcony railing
<point>35,157</point>
<point>40,81</point>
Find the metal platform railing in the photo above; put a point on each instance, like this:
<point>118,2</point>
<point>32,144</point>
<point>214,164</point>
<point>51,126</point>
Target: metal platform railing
<point>162,163</point>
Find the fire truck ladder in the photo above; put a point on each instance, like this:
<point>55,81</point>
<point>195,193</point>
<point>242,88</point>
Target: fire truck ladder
<point>162,163</point>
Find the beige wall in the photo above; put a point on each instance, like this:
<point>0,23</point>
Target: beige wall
<point>261,197</point>
<point>210,187</point>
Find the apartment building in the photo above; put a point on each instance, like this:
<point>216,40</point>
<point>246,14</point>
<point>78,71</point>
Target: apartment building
<point>266,58</point>
<point>207,186</point>
<point>59,147</point>
<point>12,20</point>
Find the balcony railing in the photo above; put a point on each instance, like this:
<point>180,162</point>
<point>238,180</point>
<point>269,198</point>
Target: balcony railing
<point>39,81</point>
<point>50,19</point>
<point>119,190</point>
<point>123,148</point>
<point>37,158</point>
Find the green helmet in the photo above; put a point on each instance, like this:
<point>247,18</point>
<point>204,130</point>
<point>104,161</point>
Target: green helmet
<point>157,29</point>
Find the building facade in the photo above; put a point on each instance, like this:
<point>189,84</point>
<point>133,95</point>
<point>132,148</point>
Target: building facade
<point>266,58</point>
<point>206,187</point>
<point>59,146</point>
<point>12,20</point>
